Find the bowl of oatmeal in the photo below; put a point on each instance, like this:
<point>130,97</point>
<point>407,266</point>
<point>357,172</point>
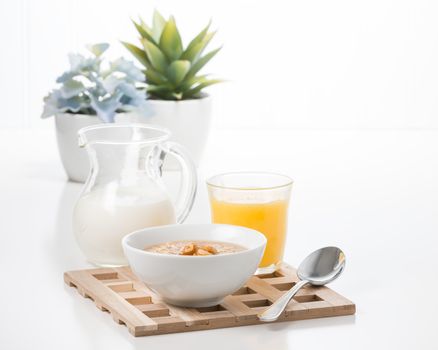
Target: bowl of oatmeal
<point>194,265</point>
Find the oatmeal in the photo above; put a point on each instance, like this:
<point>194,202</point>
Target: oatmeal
<point>194,248</point>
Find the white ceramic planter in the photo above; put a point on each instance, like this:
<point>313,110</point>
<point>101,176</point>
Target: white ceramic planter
<point>75,159</point>
<point>189,122</point>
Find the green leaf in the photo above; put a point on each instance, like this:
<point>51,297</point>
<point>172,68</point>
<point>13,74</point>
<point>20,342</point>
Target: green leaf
<point>153,77</point>
<point>158,23</point>
<point>98,49</point>
<point>201,62</point>
<point>177,95</point>
<point>161,92</point>
<point>197,40</point>
<point>188,83</point>
<point>157,88</point>
<point>138,53</point>
<point>177,71</point>
<point>143,32</point>
<point>196,50</point>
<point>196,90</point>
<point>170,40</point>
<point>164,93</point>
<point>145,26</point>
<point>155,56</point>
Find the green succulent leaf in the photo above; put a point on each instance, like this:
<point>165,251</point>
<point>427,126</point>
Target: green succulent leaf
<point>196,50</point>
<point>170,40</point>
<point>155,56</point>
<point>188,83</point>
<point>201,62</point>
<point>196,41</point>
<point>157,88</point>
<point>145,26</point>
<point>153,77</point>
<point>143,32</point>
<point>177,71</point>
<point>98,49</point>
<point>196,90</point>
<point>138,53</point>
<point>158,23</point>
<point>163,92</point>
<point>177,95</point>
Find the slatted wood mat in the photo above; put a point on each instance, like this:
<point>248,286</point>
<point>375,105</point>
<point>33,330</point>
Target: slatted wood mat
<point>130,302</point>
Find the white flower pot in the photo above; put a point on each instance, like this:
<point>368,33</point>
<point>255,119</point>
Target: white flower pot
<point>188,121</point>
<point>75,159</point>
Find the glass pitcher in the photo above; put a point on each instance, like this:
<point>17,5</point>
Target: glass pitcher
<point>124,191</point>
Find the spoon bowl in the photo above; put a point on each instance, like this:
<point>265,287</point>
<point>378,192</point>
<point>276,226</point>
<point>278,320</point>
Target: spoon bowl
<point>319,268</point>
<point>322,266</point>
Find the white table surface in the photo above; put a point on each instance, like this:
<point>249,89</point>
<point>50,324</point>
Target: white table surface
<point>373,193</point>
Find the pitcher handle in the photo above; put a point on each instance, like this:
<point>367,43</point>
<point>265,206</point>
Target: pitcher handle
<point>189,179</point>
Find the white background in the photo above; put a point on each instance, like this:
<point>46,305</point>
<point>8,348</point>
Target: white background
<point>340,95</point>
<point>290,64</point>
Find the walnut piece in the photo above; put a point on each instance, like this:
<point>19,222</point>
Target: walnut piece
<point>194,250</point>
<point>209,248</point>
<point>188,249</point>
<point>202,252</point>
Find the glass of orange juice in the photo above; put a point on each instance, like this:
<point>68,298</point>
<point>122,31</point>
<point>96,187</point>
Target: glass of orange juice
<point>256,200</point>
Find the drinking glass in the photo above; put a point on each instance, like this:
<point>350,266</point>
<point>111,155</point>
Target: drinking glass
<point>256,200</point>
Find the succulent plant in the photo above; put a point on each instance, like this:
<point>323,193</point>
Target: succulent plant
<point>89,88</point>
<point>172,70</point>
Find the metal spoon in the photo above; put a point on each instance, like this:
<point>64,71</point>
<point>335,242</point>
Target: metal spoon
<point>320,267</point>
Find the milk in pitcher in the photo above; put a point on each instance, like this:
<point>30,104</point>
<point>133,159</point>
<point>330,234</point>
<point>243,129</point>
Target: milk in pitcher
<point>104,216</point>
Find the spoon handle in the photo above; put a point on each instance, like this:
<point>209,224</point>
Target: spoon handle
<point>274,311</point>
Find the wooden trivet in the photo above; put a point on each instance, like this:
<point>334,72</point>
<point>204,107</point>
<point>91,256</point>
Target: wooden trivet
<point>130,302</point>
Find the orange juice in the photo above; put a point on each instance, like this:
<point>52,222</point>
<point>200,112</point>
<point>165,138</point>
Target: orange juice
<point>269,218</point>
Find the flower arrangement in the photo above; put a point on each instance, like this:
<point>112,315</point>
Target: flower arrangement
<point>90,88</point>
<point>172,70</point>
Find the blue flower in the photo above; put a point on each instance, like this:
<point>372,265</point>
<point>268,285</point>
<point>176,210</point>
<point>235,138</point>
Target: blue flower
<point>88,88</point>
<point>128,68</point>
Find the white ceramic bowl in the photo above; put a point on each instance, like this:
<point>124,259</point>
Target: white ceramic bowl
<point>194,281</point>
